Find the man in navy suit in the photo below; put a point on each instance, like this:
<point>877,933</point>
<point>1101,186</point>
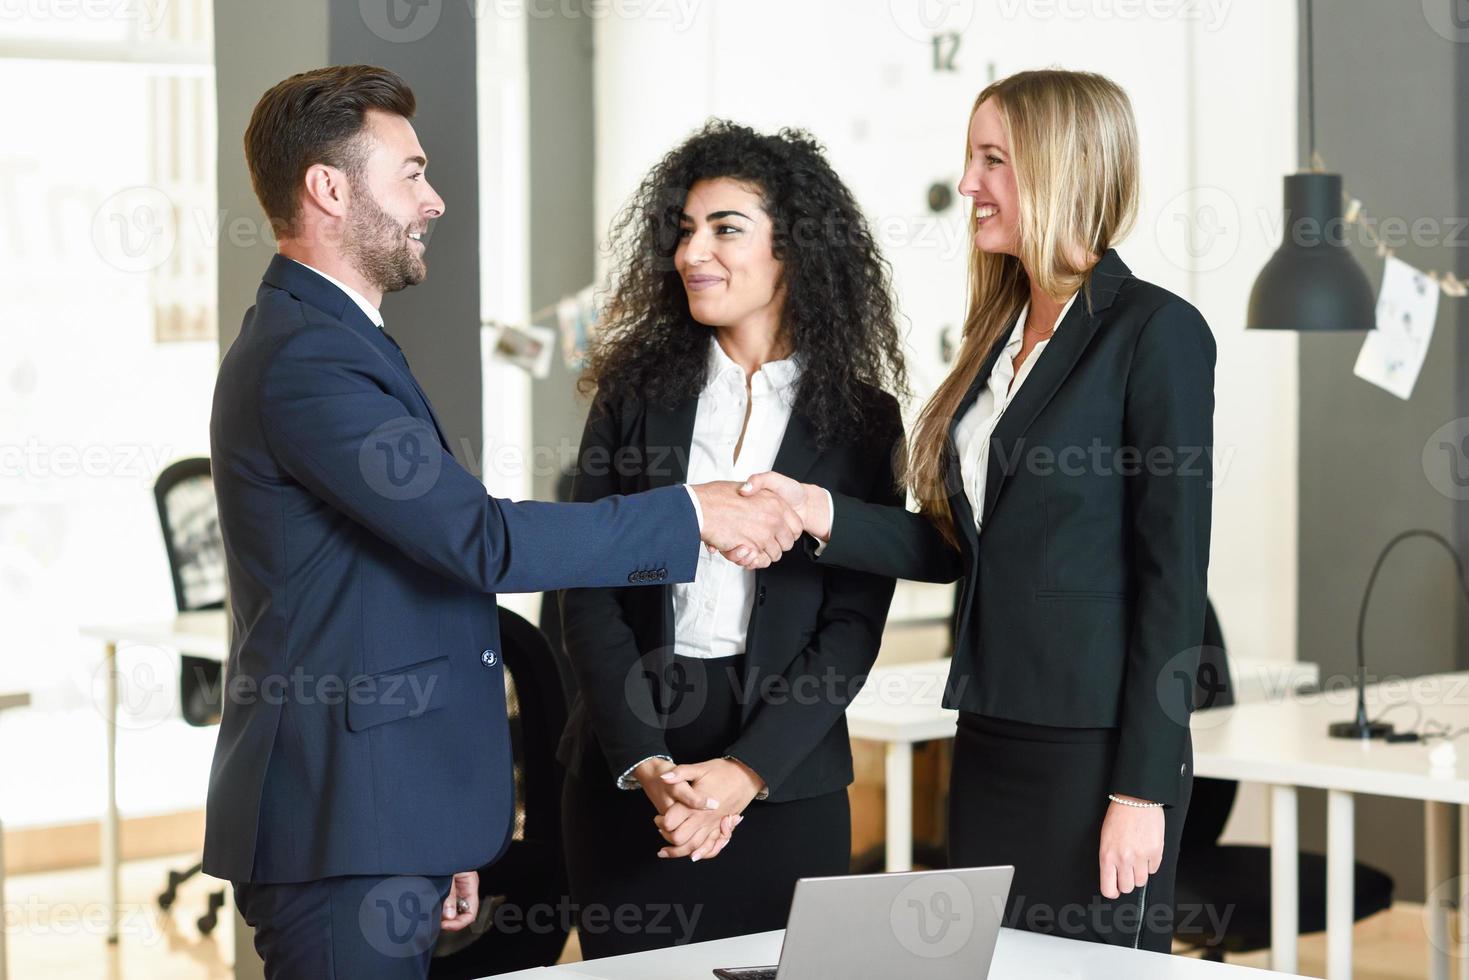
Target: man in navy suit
<point>363,760</point>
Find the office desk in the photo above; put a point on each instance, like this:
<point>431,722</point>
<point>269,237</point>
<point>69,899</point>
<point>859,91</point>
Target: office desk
<point>1018,956</point>
<point>903,704</point>
<point>1284,744</point>
<point>197,634</point>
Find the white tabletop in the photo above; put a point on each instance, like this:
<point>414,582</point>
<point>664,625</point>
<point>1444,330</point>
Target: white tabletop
<point>904,702</point>
<point>198,634</point>
<point>1018,956</point>
<point>1284,741</point>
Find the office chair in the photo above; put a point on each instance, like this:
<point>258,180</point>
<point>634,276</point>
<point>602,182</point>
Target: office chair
<point>1237,876</point>
<point>189,518</point>
<point>531,874</point>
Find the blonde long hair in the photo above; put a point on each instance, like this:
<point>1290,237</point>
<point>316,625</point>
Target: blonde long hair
<point>1073,144</point>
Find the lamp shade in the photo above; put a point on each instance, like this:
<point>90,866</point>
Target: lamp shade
<point>1312,282</point>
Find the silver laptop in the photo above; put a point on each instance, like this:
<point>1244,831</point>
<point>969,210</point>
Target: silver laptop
<point>918,925</point>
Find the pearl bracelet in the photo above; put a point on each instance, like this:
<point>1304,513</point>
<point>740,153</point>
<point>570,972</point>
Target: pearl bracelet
<point>1141,806</point>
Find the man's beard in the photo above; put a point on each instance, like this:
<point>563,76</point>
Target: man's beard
<point>378,246</point>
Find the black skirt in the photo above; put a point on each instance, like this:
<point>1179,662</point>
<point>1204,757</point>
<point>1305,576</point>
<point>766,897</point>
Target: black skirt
<point>1034,796</point>
<point>628,899</point>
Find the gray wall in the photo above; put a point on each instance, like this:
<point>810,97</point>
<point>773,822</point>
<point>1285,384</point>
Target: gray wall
<point>437,322</point>
<point>563,232</point>
<point>1388,120</point>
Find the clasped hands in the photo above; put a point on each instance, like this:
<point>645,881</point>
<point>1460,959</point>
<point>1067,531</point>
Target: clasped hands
<point>755,523</point>
<point>699,805</point>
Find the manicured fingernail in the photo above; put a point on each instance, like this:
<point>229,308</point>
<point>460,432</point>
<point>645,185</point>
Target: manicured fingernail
<point>695,859</point>
<point>746,488</point>
<point>739,820</point>
<point>668,777</point>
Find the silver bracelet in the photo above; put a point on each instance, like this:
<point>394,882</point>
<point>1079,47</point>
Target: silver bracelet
<point>1141,806</point>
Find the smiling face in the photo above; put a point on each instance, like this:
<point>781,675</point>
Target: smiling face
<point>725,256</point>
<point>391,206</point>
<point>989,181</point>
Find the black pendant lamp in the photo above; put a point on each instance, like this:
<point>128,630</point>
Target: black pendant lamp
<point>1312,282</point>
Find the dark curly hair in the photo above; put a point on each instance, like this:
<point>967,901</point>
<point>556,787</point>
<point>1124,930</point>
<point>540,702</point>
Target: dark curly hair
<point>838,316</point>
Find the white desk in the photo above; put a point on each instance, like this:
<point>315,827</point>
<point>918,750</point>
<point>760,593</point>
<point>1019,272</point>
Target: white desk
<point>197,634</point>
<point>1284,744</point>
<point>1018,956</point>
<point>903,704</point>
<point>7,701</point>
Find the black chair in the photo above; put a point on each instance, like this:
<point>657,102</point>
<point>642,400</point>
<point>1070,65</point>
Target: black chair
<point>1234,876</point>
<point>531,875</point>
<point>189,518</point>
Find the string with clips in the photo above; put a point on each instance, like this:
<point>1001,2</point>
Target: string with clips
<point>1353,213</point>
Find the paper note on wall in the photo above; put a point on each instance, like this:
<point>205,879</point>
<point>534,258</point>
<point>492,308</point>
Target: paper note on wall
<point>1407,306</point>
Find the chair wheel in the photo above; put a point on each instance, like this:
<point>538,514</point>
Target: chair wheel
<point>166,899</point>
<point>207,923</point>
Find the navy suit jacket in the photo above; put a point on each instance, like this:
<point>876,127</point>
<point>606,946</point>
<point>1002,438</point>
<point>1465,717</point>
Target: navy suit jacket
<point>364,727</point>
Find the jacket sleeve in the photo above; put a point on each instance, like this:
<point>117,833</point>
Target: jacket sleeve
<point>599,639</point>
<point>1169,420</point>
<point>883,537</point>
<point>822,679</point>
<point>333,427</point>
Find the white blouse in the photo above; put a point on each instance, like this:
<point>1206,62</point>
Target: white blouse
<point>972,436</point>
<point>711,614</point>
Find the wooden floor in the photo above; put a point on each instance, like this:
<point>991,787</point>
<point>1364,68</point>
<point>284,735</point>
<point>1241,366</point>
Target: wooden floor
<point>55,931</point>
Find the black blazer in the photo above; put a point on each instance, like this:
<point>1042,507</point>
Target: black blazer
<point>1082,603</point>
<point>814,631</point>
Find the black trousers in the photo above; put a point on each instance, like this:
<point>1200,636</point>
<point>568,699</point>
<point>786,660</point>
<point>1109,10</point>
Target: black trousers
<point>628,899</point>
<point>1034,797</point>
<point>346,928</point>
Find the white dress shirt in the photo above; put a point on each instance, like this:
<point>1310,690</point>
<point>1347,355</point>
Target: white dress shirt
<point>972,436</point>
<point>711,615</point>
<point>372,312</point>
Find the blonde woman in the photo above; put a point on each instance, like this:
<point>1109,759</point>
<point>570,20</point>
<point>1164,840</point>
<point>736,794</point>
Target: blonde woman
<point>1062,471</point>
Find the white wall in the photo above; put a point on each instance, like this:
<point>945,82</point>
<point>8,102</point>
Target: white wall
<point>1213,86</point>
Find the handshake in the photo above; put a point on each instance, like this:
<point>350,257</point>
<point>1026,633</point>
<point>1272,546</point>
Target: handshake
<point>755,523</point>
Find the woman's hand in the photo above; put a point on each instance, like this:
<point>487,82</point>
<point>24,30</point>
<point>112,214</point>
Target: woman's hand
<point>1132,847</point>
<point>806,499</point>
<point>699,836</point>
<point>663,794</point>
<point>735,784</point>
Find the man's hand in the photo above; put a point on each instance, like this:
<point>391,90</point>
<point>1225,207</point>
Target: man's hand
<point>751,530</point>
<point>1131,847</point>
<point>466,886</point>
<point>665,794</point>
<point>807,499</point>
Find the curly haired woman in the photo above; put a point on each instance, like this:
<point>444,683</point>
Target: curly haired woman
<point>750,327</point>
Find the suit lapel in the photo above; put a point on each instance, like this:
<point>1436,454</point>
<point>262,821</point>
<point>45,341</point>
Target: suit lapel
<point>668,435</point>
<point>309,287</point>
<point>1072,337</point>
<point>798,452</point>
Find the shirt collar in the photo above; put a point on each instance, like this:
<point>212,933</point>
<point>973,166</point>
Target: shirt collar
<point>372,312</point>
<point>1019,329</point>
<point>777,375</point>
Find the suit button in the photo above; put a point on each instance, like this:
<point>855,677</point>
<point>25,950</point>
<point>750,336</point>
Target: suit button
<point>632,577</point>
<point>488,658</point>
<point>662,574</point>
<point>760,595</point>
